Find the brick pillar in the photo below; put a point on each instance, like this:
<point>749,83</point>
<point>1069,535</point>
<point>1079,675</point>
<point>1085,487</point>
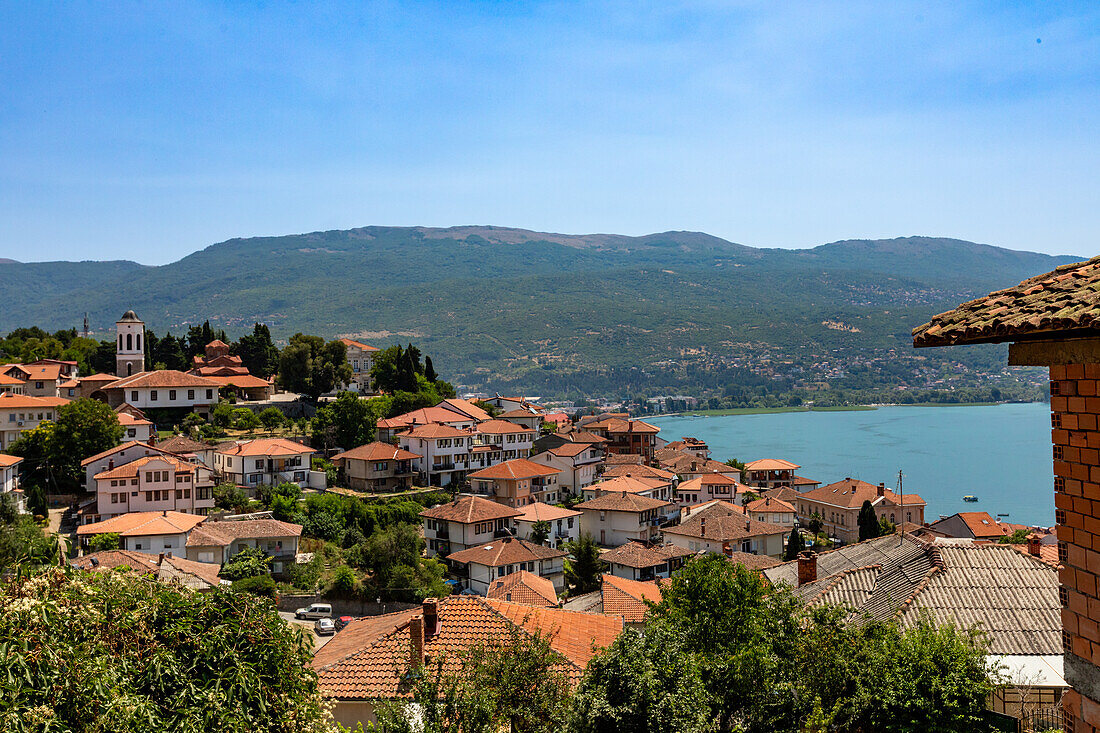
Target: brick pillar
<point>1075,409</point>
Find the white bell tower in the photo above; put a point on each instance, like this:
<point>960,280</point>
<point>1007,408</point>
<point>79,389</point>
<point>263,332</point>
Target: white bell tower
<point>130,345</point>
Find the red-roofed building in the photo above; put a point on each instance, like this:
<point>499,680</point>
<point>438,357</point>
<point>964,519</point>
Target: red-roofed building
<point>838,506</point>
<point>709,487</point>
<point>725,528</point>
<point>468,521</point>
<point>627,435</point>
<point>516,483</point>
<point>577,464</point>
<point>377,467</point>
<point>20,412</point>
<point>613,519</point>
<point>361,359</point>
<point>769,473</point>
<point>151,483</point>
<point>976,526</point>
<point>269,461</point>
<point>371,660</point>
<point>526,588</point>
<point>152,532</point>
<point>163,388</point>
<point>564,523</point>
<point>478,567</point>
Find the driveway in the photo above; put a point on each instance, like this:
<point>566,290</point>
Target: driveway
<point>307,626</point>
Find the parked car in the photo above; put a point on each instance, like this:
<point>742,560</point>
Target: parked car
<point>314,611</point>
<point>343,621</point>
<point>324,627</point>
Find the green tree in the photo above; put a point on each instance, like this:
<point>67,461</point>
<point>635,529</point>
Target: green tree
<point>272,419</point>
<point>258,585</point>
<point>540,532</point>
<point>283,508</point>
<point>105,541</point>
<point>429,370</point>
<point>312,366</point>
<point>24,544</point>
<point>583,570</point>
<point>258,352</point>
<point>33,446</point>
<point>734,463</point>
<point>36,501</point>
<point>643,683</point>
<point>222,415</point>
<point>794,545</point>
<point>248,563</point>
<point>347,422</point>
<point>118,642</point>
<point>1019,537</point>
<point>245,419</point>
<point>231,497</point>
<point>868,522</point>
<point>343,581</point>
<point>52,452</point>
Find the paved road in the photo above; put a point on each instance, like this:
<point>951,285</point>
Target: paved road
<point>318,641</point>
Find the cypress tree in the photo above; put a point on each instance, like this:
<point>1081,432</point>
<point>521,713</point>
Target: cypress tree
<point>869,527</point>
<point>429,370</point>
<point>794,545</point>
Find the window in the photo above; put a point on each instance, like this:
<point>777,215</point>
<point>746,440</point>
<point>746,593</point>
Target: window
<point>179,494</point>
<point>380,466</point>
<point>299,475</point>
<point>229,462</point>
<point>209,394</point>
<point>131,433</point>
<point>133,395</point>
<point>260,463</point>
<point>149,476</point>
<point>171,394</point>
<point>152,395</point>
<point>133,482</point>
<point>11,417</point>
<point>38,385</point>
<point>603,516</point>
<point>254,478</point>
<point>190,394</point>
<point>137,545</point>
<point>187,493</point>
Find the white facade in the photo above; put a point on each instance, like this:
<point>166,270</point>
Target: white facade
<point>562,531</point>
<point>119,456</point>
<point>442,460</point>
<point>575,472</point>
<point>157,484</point>
<point>200,398</point>
<point>456,536</point>
<point>270,469</point>
<point>613,528</point>
<point>129,345</point>
<point>157,543</point>
<point>480,577</point>
<point>771,545</point>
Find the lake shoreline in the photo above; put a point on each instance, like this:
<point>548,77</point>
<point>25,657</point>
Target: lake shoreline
<point>838,408</point>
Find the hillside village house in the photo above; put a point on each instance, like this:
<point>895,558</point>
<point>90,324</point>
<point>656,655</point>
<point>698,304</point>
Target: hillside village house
<point>838,506</point>
<point>654,488</point>
<point>92,386</point>
<point>11,385</point>
<point>638,470</point>
<point>153,532</point>
<point>975,526</point>
<point>230,373</point>
<point>565,524</point>
<point>526,588</point>
<point>626,435</point>
<point>466,522</point>
<point>478,567</point>
<point>526,417</point>
<point>392,427</point>
<point>361,358</point>
<point>9,477</point>
<point>191,450</point>
<point>270,461</point>
<point>773,511</point>
<point>694,446</point>
<point>1052,321</point>
<point>516,483</point>
<point>19,413</point>
<point>217,542</point>
<point>377,467</point>
<point>119,455</point>
<point>576,464</point>
<point>770,473</point>
<point>613,519</point>
<point>724,528</point>
<point>164,388</point>
<point>553,440</point>
<point>688,465</point>
<point>444,630</point>
<point>42,378</point>
<point>511,440</point>
<point>443,452</point>
<point>710,487</point>
<point>644,562</point>
<point>135,425</point>
<point>154,483</point>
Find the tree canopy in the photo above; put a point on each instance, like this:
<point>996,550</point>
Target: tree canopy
<point>52,452</point>
<point>312,366</point>
<point>869,527</point>
<point>347,422</point>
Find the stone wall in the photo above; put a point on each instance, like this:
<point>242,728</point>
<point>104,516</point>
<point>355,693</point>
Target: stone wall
<point>342,606</point>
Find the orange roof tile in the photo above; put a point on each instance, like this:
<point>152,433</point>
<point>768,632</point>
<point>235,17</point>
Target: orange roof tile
<point>526,588</point>
<point>360,345</point>
<point>540,512</point>
<point>376,451</point>
<point>622,501</point>
<point>771,464</point>
<point>241,381</point>
<point>570,450</point>
<point>10,401</point>
<point>469,510</point>
<point>627,598</point>
<point>434,431</point>
<point>138,524</point>
<point>636,554</point>
<point>501,427</point>
<point>466,407</point>
<point>7,461</point>
<point>127,420</point>
<point>515,468</point>
<point>110,559</point>
<point>629,484</point>
<point>722,522</point>
<point>641,471</point>
<point>133,468</point>
<point>369,659</point>
<point>768,504</point>
<point>505,551</point>
<point>163,378</point>
<point>221,534</point>
<point>152,449</point>
<point>265,447</point>
<point>853,492</point>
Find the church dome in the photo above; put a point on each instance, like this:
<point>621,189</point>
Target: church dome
<point>129,317</point>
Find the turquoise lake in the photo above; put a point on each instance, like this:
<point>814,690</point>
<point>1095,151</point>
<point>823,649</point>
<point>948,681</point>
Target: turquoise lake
<point>999,453</point>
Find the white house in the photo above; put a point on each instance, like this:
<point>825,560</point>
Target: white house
<point>154,483</point>
<point>468,521</point>
<point>644,562</point>
<point>269,461</point>
<point>164,388</point>
<point>443,452</point>
<point>725,528</point>
<point>9,476</point>
<point>217,542</point>
<point>361,358</point>
<point>479,566</point>
<point>152,532</point>
<point>565,524</point>
<point>614,519</point>
<point>577,464</point>
<point>19,413</point>
<point>512,440</point>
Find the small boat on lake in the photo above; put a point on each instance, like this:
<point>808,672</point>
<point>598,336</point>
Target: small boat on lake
<point>970,498</point>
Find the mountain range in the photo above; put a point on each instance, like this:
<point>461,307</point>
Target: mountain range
<point>495,304</point>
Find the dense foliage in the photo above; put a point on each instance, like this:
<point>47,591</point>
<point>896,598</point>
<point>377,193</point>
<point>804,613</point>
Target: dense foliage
<point>52,451</point>
<point>346,422</point>
<point>312,366</point>
<point>22,542</point>
<point>113,651</point>
<point>583,568</point>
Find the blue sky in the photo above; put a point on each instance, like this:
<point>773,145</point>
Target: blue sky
<point>146,131</point>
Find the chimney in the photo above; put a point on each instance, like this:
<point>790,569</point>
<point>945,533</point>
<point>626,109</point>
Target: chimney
<point>807,567</point>
<point>881,489</point>
<point>431,617</point>
<point>1033,545</point>
<point>160,559</point>
<point>748,525</point>
<point>416,642</point>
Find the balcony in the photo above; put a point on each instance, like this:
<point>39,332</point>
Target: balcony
<point>443,533</point>
<point>449,466</point>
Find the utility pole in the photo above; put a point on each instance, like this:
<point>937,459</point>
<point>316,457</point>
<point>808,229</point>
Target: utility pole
<point>85,334</point>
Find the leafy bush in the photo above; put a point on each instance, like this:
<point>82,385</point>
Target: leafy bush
<point>247,563</point>
<point>258,585</point>
<point>112,651</point>
<point>105,541</point>
<point>304,576</point>
<point>343,581</point>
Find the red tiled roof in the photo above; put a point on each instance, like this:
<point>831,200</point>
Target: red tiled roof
<point>853,492</point>
<point>515,468</point>
<point>42,372</point>
<point>119,448</point>
<point>110,559</point>
<point>221,534</point>
<point>620,425</point>
<point>181,444</point>
<point>768,504</point>
<point>126,419</point>
<point>642,471</point>
<point>102,377</point>
<point>526,588</point>
<point>369,658</point>
<point>7,461</point>
<point>771,464</point>
<point>711,479</point>
<point>265,447</point>
<point>162,378</point>
<point>10,401</point>
<point>133,468</point>
<point>636,554</point>
<point>582,436</point>
<point>360,345</point>
<point>501,427</point>
<point>627,598</point>
<point>469,510</point>
<point>629,484</point>
<point>505,551</point>
<point>466,407</point>
<point>1065,301</point>
<point>242,381</point>
<point>622,501</point>
<point>426,416</point>
<point>140,524</point>
<point>721,523</point>
<point>753,562</point>
<point>376,451</point>
<point>624,459</point>
<point>434,431</point>
<point>539,512</point>
<point>570,450</point>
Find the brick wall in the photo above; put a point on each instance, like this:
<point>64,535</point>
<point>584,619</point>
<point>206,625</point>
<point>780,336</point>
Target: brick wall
<point>1075,434</point>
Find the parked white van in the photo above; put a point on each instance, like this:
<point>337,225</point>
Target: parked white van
<point>314,611</point>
